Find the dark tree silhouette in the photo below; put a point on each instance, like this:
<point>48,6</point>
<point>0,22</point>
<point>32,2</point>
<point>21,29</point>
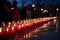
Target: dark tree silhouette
<point>3,11</point>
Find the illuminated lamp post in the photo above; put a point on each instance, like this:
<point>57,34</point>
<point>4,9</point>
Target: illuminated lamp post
<point>57,11</point>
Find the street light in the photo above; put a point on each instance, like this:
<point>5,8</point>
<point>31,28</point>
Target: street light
<point>45,11</point>
<point>42,9</point>
<point>34,8</point>
<point>12,8</point>
<point>33,5</point>
<point>57,9</point>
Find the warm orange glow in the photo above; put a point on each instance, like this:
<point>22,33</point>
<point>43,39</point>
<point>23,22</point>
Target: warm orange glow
<point>0,29</point>
<point>22,25</point>
<point>9,23</point>
<point>48,23</point>
<point>18,22</point>
<point>12,28</point>
<point>19,26</point>
<point>7,29</point>
<point>54,17</point>
<point>3,24</point>
<point>24,22</point>
<point>54,20</point>
<point>9,26</point>
<point>27,24</point>
<point>14,24</point>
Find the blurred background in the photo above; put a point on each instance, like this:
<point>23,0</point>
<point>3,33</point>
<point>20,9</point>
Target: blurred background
<point>26,9</point>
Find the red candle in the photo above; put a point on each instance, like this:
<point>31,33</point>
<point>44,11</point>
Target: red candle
<point>24,26</point>
<point>19,28</point>
<point>30,25</point>
<point>6,33</point>
<point>12,31</point>
<point>9,24</point>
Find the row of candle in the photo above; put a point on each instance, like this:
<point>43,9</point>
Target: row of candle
<point>10,28</point>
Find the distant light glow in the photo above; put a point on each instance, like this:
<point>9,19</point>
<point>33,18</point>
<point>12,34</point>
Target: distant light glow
<point>3,24</point>
<point>34,8</point>
<point>42,9</point>
<point>0,29</point>
<point>19,26</point>
<point>9,23</point>
<point>57,9</point>
<point>14,24</point>
<point>18,22</point>
<point>12,28</point>
<point>33,5</point>
<point>22,25</point>
<point>7,29</point>
<point>27,24</point>
<point>12,8</point>
<point>45,11</point>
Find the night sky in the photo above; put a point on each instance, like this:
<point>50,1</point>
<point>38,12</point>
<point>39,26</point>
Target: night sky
<point>46,2</point>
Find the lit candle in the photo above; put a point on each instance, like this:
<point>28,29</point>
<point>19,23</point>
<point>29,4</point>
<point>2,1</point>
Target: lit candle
<point>27,24</point>
<point>9,23</point>
<point>6,32</point>
<point>14,25</point>
<point>0,29</point>
<point>23,26</point>
<point>30,25</point>
<point>9,26</point>
<point>1,33</point>
<point>12,30</point>
<point>19,28</point>
<point>18,22</point>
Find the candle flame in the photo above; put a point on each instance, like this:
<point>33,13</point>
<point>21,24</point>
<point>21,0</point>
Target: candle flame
<point>19,26</point>
<point>54,20</point>
<point>7,29</point>
<point>14,24</point>
<point>0,29</point>
<point>27,24</point>
<point>22,25</point>
<point>18,22</point>
<point>12,28</point>
<point>9,23</point>
<point>3,24</point>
